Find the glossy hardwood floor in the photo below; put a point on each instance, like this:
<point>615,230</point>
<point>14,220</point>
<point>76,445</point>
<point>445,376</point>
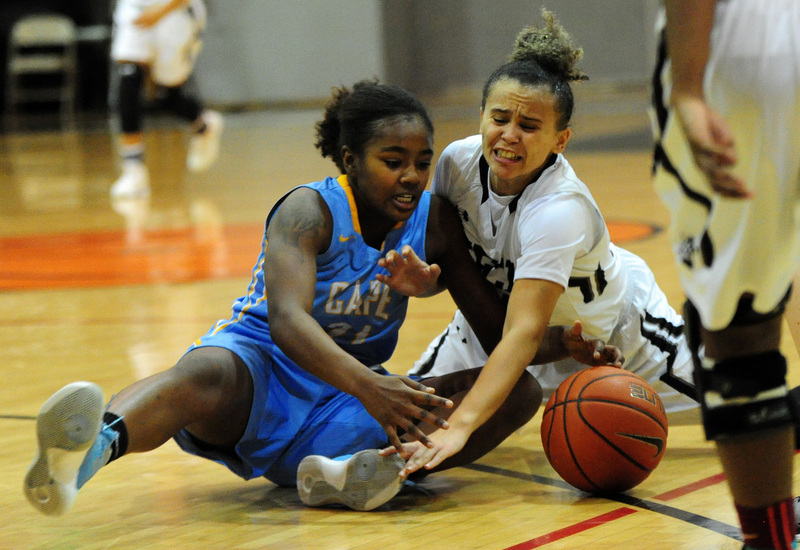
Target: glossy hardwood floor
<point>114,292</point>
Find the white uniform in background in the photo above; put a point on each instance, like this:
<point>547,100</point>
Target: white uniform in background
<point>730,247</point>
<point>170,47</point>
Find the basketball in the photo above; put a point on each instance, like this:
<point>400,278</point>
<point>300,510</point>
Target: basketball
<point>604,430</point>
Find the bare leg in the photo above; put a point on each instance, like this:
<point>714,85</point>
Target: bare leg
<point>758,466</point>
<point>209,392</point>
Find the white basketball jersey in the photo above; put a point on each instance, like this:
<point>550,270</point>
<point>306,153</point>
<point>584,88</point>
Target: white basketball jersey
<point>554,231</point>
<point>524,237</point>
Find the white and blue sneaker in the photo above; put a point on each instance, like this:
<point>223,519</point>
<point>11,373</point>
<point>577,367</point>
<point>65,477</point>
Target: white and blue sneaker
<point>362,481</point>
<point>67,426</point>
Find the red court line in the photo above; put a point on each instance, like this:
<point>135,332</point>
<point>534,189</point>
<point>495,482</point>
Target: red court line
<point>616,514</point>
<point>691,487</point>
<point>573,529</point>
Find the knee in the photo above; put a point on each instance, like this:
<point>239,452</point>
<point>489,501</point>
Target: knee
<point>743,394</point>
<point>525,398</point>
<point>213,374</point>
<point>183,103</point>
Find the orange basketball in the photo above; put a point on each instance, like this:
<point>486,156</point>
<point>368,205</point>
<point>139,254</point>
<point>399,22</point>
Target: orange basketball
<point>604,430</point>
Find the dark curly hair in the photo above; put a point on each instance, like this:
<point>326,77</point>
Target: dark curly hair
<point>543,57</point>
<point>352,116</point>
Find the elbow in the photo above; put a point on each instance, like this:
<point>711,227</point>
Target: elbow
<point>280,326</point>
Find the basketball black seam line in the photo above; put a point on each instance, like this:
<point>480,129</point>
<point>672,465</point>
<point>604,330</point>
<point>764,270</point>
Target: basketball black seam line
<point>580,400</point>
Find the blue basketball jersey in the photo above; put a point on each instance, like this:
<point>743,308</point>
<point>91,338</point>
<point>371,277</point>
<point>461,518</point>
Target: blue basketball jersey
<point>361,314</point>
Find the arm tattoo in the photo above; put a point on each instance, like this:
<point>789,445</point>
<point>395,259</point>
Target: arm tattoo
<point>301,223</point>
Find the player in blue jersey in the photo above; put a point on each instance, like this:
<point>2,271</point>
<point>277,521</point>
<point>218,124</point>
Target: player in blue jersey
<point>295,371</point>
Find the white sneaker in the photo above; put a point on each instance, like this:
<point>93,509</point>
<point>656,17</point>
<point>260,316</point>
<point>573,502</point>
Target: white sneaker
<point>66,427</point>
<point>362,482</point>
<point>204,148</point>
<point>133,183</point>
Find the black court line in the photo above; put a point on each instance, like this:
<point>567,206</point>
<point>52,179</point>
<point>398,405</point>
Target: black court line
<point>16,417</point>
<point>657,507</point>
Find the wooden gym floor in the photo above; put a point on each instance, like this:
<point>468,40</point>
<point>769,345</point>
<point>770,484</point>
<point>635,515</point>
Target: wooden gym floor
<point>111,293</point>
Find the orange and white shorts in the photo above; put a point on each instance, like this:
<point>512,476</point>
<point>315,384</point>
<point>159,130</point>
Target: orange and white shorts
<point>169,48</point>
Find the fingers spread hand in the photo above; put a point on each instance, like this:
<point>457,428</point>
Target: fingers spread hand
<point>432,419</point>
<point>413,431</point>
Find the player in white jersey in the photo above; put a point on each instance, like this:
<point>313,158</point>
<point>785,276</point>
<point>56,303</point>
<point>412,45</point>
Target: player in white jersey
<point>538,234</point>
<point>619,302</point>
<point>727,165</point>
<point>159,40</point>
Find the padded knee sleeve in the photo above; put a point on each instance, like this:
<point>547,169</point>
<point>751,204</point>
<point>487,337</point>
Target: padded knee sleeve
<point>744,394</point>
<point>130,108</point>
<point>738,395</point>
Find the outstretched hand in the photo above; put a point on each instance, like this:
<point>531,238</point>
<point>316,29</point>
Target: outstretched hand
<point>408,274</point>
<point>443,445</point>
<point>711,141</point>
<point>588,350</point>
<point>396,401</point>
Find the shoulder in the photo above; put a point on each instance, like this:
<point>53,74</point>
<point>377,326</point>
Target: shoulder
<point>463,150</point>
<point>301,198</point>
<point>559,178</point>
<point>458,164</point>
<point>302,213</point>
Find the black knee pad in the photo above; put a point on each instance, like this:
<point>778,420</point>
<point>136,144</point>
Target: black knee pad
<point>744,394</point>
<point>130,108</point>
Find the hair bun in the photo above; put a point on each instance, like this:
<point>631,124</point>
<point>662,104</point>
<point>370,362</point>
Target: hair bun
<point>551,47</point>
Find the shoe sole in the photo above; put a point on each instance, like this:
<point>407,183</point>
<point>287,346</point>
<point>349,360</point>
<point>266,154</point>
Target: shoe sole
<point>68,422</point>
<point>370,481</point>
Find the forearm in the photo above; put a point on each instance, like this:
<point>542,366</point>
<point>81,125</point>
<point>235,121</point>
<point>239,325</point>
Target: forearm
<point>306,343</point>
<point>496,381</point>
<point>552,347</point>
<point>438,288</point>
<point>689,24</point>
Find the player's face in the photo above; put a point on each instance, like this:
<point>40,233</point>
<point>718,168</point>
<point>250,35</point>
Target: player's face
<point>390,177</point>
<point>518,126</point>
